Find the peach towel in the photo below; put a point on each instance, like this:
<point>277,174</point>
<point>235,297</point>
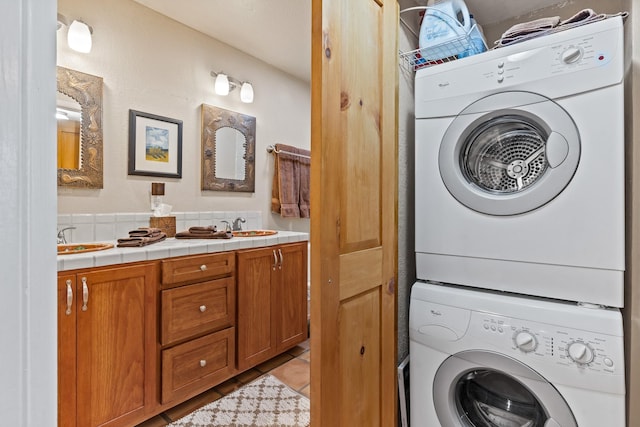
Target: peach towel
<point>290,192</point>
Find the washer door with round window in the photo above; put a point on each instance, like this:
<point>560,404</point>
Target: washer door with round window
<point>485,389</point>
<point>509,153</point>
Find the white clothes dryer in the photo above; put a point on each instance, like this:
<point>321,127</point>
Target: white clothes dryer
<point>520,167</point>
<point>490,359</point>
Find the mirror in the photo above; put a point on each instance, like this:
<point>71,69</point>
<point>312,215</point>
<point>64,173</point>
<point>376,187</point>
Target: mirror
<point>79,112</point>
<point>228,150</point>
<point>231,145</point>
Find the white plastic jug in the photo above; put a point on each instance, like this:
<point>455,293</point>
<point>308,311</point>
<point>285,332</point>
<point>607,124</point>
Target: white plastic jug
<point>444,22</point>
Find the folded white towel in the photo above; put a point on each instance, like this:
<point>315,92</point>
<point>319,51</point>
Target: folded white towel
<point>539,27</point>
<point>580,16</point>
<point>532,26</point>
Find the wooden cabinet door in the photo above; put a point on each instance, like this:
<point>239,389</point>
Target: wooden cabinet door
<point>354,164</point>
<point>116,343</point>
<point>67,350</point>
<point>291,295</point>
<point>255,295</point>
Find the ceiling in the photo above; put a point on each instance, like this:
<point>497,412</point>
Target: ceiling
<point>279,31</point>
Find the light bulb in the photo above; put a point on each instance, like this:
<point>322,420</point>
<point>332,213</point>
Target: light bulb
<point>222,84</point>
<point>79,37</point>
<point>246,93</point>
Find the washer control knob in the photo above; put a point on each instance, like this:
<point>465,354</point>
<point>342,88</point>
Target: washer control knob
<point>580,352</point>
<point>571,55</point>
<point>526,341</point>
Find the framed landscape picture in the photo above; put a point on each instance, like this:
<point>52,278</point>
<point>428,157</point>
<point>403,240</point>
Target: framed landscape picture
<point>155,145</point>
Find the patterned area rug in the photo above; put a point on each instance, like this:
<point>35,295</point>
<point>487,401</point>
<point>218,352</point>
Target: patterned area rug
<point>264,402</point>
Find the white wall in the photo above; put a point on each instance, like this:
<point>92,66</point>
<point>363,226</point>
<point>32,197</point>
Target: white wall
<point>27,215</point>
<point>156,65</point>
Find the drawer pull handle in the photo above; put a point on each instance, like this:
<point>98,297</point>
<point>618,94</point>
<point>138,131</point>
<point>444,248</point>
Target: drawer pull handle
<point>203,267</point>
<point>69,297</point>
<point>85,294</point>
<point>203,308</point>
<point>280,253</point>
<point>203,363</point>
<point>275,260</point>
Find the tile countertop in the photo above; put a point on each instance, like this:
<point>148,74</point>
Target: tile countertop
<point>172,248</point>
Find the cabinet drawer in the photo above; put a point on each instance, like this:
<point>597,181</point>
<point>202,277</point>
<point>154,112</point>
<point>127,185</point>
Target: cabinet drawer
<point>193,310</point>
<point>197,268</point>
<point>192,367</point>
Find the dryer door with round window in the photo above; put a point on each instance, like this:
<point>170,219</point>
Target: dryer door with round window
<point>478,388</point>
<point>509,153</point>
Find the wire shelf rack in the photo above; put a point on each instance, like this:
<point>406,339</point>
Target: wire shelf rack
<point>447,51</point>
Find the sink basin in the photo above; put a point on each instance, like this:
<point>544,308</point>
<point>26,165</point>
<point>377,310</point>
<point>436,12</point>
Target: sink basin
<point>79,248</point>
<point>254,233</point>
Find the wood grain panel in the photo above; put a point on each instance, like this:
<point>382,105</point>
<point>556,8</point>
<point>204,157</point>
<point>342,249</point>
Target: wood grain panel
<point>114,334</point>
<point>197,365</point>
<point>361,104</point>
<point>196,268</point>
<point>193,310</point>
<point>360,360</point>
<point>256,321</point>
<point>67,376</point>
<point>291,295</point>
<point>360,272</point>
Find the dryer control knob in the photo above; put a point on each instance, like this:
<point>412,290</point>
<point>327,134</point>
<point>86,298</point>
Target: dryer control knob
<point>580,352</point>
<point>526,341</point>
<point>571,55</point>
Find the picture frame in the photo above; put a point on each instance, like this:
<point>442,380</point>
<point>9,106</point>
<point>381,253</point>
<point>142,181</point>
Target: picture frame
<point>155,145</point>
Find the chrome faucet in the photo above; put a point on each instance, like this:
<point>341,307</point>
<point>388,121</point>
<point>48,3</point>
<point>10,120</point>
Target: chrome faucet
<point>227,226</point>
<point>237,226</point>
<point>62,239</point>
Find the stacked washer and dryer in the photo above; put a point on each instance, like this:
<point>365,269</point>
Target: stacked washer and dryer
<point>520,235</point>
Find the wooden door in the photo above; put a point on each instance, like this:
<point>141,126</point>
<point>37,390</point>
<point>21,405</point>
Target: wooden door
<point>116,333</point>
<point>67,350</point>
<point>256,322</point>
<point>354,213</point>
<point>291,296</point>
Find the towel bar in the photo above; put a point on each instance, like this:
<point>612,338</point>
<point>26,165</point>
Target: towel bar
<point>272,149</point>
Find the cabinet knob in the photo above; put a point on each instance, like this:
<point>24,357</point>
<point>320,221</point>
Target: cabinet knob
<point>203,363</point>
<point>203,267</point>
<point>203,308</point>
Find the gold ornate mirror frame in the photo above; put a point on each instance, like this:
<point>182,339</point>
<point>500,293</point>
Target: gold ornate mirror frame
<point>87,91</point>
<point>213,119</point>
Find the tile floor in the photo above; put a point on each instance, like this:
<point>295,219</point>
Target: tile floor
<point>291,367</point>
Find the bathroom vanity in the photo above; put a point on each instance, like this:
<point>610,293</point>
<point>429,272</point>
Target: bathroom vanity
<point>141,330</point>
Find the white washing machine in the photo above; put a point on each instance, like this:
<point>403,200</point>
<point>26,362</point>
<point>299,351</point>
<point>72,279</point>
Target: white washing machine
<point>520,167</point>
<point>486,359</point>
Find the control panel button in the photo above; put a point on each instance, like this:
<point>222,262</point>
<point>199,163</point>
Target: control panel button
<point>525,341</point>
<point>608,362</point>
<point>500,79</point>
<point>580,352</point>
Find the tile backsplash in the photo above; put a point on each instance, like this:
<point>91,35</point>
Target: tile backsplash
<point>106,227</point>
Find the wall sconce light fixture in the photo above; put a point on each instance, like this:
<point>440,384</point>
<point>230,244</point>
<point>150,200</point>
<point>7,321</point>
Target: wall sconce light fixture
<point>78,34</point>
<point>225,84</point>
<point>222,85</point>
<point>246,92</point>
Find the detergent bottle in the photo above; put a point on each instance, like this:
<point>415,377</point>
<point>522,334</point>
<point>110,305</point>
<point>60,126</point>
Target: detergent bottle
<point>476,40</point>
<point>444,22</point>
